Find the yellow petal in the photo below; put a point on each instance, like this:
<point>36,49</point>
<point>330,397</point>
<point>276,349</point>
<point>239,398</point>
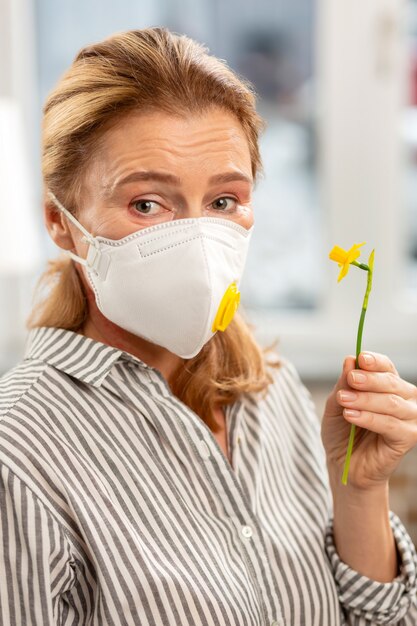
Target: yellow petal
<point>354,252</point>
<point>344,271</point>
<point>338,254</point>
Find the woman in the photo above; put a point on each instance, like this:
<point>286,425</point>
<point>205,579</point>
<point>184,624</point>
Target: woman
<point>156,467</point>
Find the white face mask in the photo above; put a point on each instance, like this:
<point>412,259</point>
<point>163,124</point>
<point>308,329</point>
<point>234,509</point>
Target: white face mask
<point>173,283</point>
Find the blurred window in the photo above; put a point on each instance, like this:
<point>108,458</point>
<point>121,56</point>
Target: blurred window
<point>410,140</point>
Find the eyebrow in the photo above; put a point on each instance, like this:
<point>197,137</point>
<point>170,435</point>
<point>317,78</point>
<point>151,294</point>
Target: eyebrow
<point>164,177</point>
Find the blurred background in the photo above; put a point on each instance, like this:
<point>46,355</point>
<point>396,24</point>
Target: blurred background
<point>337,84</point>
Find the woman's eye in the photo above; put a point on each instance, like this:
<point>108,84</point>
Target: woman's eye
<point>144,206</point>
<point>222,203</point>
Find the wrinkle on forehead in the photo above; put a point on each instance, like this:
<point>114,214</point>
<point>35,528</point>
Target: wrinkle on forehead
<point>152,142</point>
<point>202,144</point>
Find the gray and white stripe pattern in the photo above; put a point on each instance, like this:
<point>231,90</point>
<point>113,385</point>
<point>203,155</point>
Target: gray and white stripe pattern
<point>118,507</point>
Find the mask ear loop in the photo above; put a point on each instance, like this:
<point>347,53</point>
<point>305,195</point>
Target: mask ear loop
<point>87,237</point>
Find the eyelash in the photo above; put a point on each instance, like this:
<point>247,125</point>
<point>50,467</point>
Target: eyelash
<point>140,200</point>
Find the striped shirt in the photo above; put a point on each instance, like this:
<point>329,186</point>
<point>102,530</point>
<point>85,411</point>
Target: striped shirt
<point>118,507</point>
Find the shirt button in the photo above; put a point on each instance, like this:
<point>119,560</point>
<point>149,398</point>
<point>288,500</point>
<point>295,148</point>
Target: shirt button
<point>247,531</point>
<point>277,623</point>
<point>204,450</point>
<point>238,441</point>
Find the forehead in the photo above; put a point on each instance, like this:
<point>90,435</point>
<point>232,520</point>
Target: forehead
<point>210,139</point>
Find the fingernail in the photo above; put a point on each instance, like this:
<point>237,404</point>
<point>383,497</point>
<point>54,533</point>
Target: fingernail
<point>348,396</point>
<point>351,413</point>
<point>368,358</point>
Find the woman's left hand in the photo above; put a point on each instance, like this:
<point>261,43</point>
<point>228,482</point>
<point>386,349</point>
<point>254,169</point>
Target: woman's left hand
<point>386,427</point>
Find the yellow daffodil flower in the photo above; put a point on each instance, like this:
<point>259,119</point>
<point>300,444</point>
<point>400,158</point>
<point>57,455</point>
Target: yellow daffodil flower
<point>345,257</point>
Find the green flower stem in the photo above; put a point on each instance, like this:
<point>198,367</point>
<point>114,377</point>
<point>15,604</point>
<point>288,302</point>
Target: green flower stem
<point>358,349</point>
<point>363,266</point>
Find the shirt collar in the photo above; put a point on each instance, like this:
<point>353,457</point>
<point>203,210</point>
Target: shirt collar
<point>78,356</point>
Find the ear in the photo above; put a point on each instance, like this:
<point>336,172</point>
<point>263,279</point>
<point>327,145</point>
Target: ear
<point>57,225</point>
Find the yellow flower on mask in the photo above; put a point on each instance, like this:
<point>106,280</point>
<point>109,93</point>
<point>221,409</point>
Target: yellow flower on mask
<point>345,257</point>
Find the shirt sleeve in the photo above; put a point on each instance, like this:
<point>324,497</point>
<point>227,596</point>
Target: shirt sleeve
<point>367,602</point>
<point>36,563</point>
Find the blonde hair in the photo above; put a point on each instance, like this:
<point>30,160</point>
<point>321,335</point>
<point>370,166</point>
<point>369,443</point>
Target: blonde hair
<point>145,70</point>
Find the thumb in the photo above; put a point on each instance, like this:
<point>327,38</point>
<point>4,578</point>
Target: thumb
<point>333,408</point>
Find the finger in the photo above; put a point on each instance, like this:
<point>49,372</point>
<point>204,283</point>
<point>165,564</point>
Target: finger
<point>381,403</point>
<point>332,405</point>
<point>375,362</point>
<point>384,382</point>
<point>400,435</point>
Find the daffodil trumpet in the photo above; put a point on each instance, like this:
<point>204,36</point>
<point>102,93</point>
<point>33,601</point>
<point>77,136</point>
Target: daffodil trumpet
<point>345,258</point>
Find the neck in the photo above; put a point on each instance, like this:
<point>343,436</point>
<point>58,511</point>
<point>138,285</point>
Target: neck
<point>99,328</point>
